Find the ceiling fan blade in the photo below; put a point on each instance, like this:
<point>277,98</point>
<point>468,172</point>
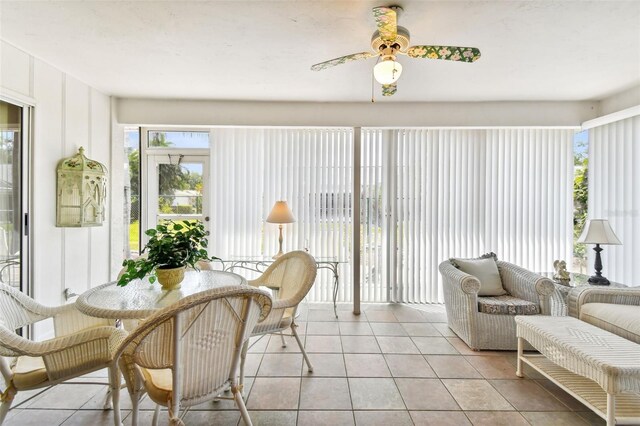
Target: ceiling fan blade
<point>450,53</point>
<point>387,22</point>
<point>389,89</point>
<point>342,60</point>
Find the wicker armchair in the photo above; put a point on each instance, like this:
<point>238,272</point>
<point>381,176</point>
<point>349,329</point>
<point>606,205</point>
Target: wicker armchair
<point>613,309</point>
<point>188,353</point>
<point>291,276</point>
<point>82,344</point>
<point>490,331</point>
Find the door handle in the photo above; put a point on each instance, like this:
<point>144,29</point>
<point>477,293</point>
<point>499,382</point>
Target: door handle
<point>206,218</point>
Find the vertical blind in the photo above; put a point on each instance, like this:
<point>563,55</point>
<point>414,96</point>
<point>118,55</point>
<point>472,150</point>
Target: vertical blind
<point>614,194</point>
<point>312,169</point>
<point>431,194</point>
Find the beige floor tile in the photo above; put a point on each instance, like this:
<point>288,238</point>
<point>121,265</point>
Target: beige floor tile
<point>420,329</point>
<point>360,344</point>
<point>439,418</point>
<point>461,346</point>
<point>349,316</point>
<point>271,393</point>
<point>409,366</point>
<point>34,417</point>
<point>409,315</point>
<point>252,363</point>
<point>444,330</point>
<point>383,418</point>
<point>67,396</point>
<point>272,418</point>
<point>326,344</point>
<point>380,316</point>
<point>435,317</point>
<point>388,329</point>
<point>563,396</point>
<point>275,344</point>
<point>327,365</point>
<point>97,401</point>
<point>425,394</point>
<point>206,418</point>
<point>476,394</point>
<point>321,315</point>
<point>323,328</point>
<point>324,393</point>
<point>93,418</point>
<point>280,365</point>
<point>553,419</point>
<point>592,418</point>
<point>325,418</point>
<point>527,395</point>
<point>496,418</point>
<point>145,417</point>
<point>452,367</point>
<point>361,328</point>
<point>366,365</point>
<point>493,367</point>
<point>397,345</point>
<point>434,346</point>
<point>375,394</point>
<point>258,344</point>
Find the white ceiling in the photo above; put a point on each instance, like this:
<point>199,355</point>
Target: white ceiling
<point>262,50</point>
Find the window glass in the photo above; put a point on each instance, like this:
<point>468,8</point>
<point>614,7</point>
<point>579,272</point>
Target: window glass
<point>132,192</point>
<point>178,139</point>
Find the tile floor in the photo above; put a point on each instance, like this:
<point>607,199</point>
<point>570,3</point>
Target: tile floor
<point>393,365</point>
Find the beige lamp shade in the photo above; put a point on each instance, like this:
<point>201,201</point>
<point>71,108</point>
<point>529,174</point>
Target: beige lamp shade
<point>598,231</point>
<point>280,213</point>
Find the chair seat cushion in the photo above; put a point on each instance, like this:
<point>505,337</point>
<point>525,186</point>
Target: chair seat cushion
<point>506,305</point>
<point>159,384</point>
<point>623,320</point>
<point>29,372</point>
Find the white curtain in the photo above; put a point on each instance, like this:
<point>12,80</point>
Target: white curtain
<point>614,194</point>
<point>312,169</point>
<point>441,193</point>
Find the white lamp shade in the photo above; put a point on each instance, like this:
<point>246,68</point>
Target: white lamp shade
<point>598,231</point>
<point>280,213</point>
<point>387,72</point>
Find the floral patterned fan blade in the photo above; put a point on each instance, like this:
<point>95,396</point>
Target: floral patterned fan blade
<point>389,89</point>
<point>342,60</point>
<point>450,53</point>
<point>387,22</point>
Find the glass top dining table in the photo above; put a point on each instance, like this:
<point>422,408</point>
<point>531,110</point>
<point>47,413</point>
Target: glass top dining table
<point>139,298</point>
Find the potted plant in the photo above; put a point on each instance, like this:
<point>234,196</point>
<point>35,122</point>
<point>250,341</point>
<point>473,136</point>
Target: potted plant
<point>171,248</point>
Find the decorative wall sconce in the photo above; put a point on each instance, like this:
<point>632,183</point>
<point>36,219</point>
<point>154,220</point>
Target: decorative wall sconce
<point>81,191</point>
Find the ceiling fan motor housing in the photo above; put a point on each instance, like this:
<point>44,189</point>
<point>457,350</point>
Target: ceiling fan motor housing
<point>402,41</point>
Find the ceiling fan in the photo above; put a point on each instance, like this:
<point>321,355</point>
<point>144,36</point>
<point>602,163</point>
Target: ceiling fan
<point>389,41</point>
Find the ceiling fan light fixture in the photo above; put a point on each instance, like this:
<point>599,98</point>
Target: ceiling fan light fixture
<point>387,71</point>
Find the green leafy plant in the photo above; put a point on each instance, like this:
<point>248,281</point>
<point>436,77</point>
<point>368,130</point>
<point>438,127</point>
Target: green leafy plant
<point>171,245</point>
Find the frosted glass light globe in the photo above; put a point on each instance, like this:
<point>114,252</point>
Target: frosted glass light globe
<point>387,72</point>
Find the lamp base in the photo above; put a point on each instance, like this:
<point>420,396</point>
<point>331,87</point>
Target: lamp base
<point>277,255</point>
<point>598,280</point>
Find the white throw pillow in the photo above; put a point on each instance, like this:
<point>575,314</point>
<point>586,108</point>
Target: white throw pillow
<point>486,271</point>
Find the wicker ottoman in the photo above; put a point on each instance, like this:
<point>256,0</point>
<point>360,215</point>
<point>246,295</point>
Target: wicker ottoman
<point>599,368</point>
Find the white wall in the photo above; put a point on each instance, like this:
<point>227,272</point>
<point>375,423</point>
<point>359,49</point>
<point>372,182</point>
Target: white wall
<point>383,114</point>
<point>626,99</point>
<point>67,114</point>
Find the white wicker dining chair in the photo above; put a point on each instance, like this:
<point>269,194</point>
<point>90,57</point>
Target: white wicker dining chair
<point>82,344</point>
<point>188,353</point>
<point>291,276</point>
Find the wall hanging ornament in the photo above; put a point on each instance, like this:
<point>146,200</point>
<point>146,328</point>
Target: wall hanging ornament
<point>81,191</point>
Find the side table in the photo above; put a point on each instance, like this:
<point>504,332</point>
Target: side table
<point>559,298</point>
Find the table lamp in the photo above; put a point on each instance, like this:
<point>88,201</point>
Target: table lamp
<point>280,214</point>
<point>598,231</point>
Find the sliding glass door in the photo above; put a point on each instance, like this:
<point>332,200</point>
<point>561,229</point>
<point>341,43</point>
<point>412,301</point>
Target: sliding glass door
<point>13,220</point>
